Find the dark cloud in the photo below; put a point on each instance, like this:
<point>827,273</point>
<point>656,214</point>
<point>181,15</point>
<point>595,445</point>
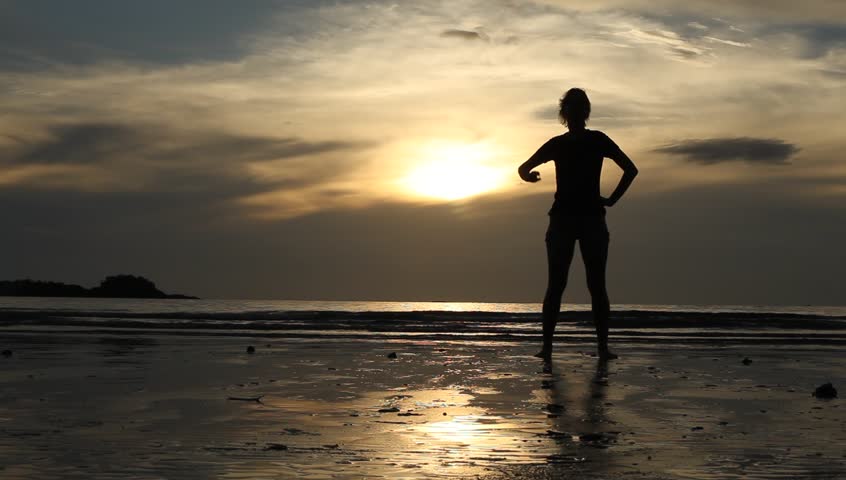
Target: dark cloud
<point>175,174</point>
<point>87,143</point>
<point>81,144</point>
<point>718,150</point>
<point>464,34</point>
<point>820,37</point>
<point>686,53</point>
<point>162,31</point>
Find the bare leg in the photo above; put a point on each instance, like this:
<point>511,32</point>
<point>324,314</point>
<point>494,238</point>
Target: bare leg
<point>559,254</point>
<point>594,248</point>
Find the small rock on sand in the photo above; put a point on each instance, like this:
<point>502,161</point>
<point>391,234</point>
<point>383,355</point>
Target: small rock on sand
<point>389,410</point>
<point>746,361</point>
<point>392,355</point>
<point>826,390</point>
<point>251,349</point>
<point>7,353</point>
<point>276,446</point>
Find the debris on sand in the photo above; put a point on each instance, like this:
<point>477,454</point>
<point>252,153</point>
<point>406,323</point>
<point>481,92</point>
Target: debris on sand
<point>389,410</point>
<point>247,399</point>
<point>296,431</point>
<point>746,361</point>
<point>555,434</point>
<point>276,447</point>
<point>251,349</point>
<point>825,391</point>
<point>392,355</point>
<point>602,437</point>
<point>7,353</point>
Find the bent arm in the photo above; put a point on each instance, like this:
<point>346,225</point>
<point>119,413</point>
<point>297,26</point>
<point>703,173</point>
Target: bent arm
<point>540,157</point>
<point>629,174</point>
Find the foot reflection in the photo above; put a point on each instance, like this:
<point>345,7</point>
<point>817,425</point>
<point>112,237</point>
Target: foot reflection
<point>578,418</point>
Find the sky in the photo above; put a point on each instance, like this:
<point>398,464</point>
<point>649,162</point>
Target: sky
<point>367,150</point>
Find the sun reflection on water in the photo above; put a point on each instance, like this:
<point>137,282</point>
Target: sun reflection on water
<point>464,429</point>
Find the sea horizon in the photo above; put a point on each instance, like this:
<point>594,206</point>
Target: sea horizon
<point>12,302</point>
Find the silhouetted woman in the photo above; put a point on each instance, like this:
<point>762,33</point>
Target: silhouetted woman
<point>578,212</point>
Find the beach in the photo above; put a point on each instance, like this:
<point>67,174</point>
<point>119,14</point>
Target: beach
<point>107,401</point>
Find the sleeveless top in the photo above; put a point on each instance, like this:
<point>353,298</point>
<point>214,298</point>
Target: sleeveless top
<point>578,166</point>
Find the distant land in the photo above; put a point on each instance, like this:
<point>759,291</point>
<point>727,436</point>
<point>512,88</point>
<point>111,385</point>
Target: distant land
<point>114,286</point>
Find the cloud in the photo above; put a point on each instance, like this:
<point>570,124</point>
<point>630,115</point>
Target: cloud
<point>201,167</point>
<point>675,44</point>
<point>728,42</point>
<point>718,150</point>
<point>768,10</point>
<point>820,38</point>
<point>87,143</point>
<point>80,144</point>
<point>464,34</point>
<point>159,31</point>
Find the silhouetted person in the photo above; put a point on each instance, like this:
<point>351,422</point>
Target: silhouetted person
<point>578,212</point>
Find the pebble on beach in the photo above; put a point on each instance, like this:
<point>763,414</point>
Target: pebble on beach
<point>7,353</point>
<point>826,390</point>
<point>251,349</point>
<point>746,361</point>
<point>392,355</point>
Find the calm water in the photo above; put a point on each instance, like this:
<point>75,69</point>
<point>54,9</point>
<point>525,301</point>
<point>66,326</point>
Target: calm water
<point>470,322</point>
<point>83,305</point>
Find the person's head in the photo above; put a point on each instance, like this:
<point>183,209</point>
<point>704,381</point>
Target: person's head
<point>574,108</point>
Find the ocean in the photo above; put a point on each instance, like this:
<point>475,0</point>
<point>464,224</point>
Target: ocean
<point>450,321</point>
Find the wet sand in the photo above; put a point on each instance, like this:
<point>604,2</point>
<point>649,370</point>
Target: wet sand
<point>145,405</point>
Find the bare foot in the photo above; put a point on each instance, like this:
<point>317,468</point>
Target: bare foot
<point>607,355</point>
<point>544,354</point>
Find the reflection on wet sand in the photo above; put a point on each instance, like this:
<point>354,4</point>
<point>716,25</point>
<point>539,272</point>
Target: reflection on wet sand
<point>344,409</point>
<point>578,420</point>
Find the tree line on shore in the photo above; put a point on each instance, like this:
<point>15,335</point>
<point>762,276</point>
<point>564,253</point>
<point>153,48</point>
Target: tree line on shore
<point>114,286</point>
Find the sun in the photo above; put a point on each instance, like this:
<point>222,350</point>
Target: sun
<point>453,172</point>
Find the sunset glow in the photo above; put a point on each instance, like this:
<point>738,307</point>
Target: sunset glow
<point>259,134</point>
<point>454,172</point>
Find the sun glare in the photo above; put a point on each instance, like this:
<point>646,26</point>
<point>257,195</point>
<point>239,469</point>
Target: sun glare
<point>453,172</point>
